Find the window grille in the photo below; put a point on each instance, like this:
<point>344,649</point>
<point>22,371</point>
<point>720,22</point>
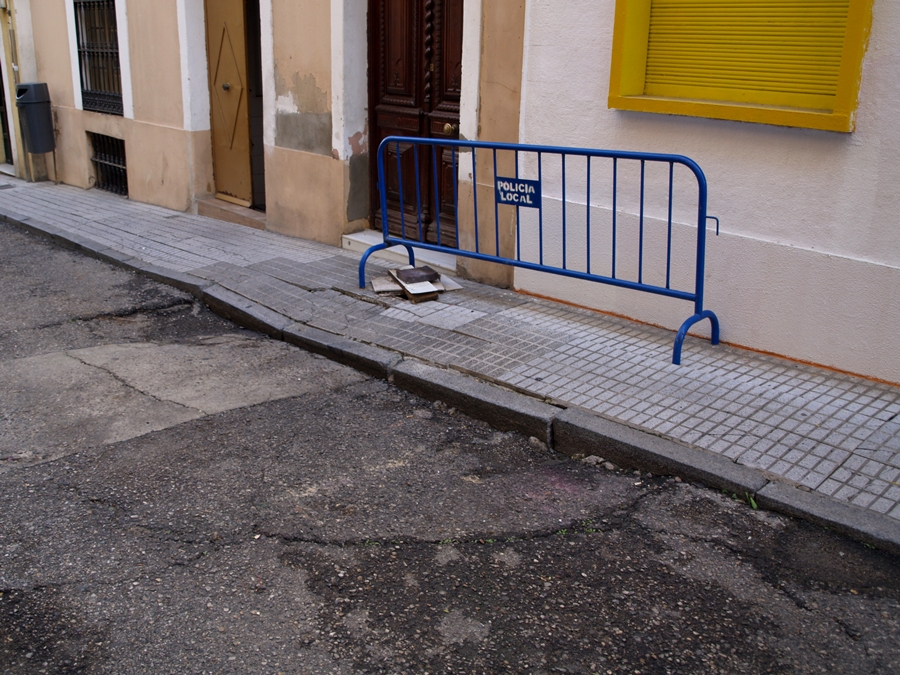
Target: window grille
<point>109,164</point>
<point>98,55</point>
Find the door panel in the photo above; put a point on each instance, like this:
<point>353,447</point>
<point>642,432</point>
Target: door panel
<point>227,49</point>
<point>416,54</point>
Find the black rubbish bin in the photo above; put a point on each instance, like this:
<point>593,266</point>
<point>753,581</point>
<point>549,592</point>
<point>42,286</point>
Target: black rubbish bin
<point>33,102</point>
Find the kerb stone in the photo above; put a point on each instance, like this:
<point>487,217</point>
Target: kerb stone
<point>503,409</point>
<point>576,432</point>
<point>365,358</point>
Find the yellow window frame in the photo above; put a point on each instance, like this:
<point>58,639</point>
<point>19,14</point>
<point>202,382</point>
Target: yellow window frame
<point>627,89</point>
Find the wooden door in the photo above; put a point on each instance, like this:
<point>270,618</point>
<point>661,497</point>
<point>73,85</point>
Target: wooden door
<point>227,49</point>
<point>414,88</point>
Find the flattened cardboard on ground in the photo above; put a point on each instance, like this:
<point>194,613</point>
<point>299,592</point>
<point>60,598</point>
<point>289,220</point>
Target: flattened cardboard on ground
<point>386,284</point>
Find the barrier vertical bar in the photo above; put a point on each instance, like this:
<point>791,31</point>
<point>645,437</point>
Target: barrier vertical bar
<point>701,250</point>
<point>400,190</point>
<point>641,235</point>
<point>496,212</point>
<point>540,212</point>
<point>455,193</point>
<point>475,196</point>
<point>587,206</point>
<point>669,236</point>
<point>564,201</point>
<point>418,189</point>
<point>437,194</point>
<point>615,189</point>
<point>518,228</point>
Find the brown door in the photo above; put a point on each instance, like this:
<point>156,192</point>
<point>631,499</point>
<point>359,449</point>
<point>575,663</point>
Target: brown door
<point>227,47</point>
<point>414,88</point>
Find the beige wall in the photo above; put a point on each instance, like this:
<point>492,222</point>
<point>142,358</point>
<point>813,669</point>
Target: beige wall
<point>155,62</point>
<point>500,85</point>
<point>167,165</point>
<point>51,39</point>
<point>304,195</point>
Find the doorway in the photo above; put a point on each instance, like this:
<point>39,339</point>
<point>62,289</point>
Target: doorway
<point>415,73</point>
<point>235,85</point>
<point>7,155</point>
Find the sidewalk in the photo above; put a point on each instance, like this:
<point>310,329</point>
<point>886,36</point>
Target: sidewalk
<point>803,440</point>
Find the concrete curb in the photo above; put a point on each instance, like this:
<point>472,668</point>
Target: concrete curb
<point>577,432</point>
<point>244,312</point>
<point>503,409</point>
<point>569,431</point>
<point>371,360</point>
<point>872,528</point>
<point>185,282</point>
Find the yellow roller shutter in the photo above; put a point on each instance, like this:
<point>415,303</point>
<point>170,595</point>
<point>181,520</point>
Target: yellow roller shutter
<point>766,52</point>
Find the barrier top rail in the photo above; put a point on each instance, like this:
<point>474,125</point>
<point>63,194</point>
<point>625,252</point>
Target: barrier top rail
<point>554,231</point>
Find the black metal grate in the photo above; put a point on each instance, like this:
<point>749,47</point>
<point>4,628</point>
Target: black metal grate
<point>98,55</point>
<point>109,164</point>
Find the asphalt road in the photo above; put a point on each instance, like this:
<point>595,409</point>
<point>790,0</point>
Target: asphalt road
<point>178,495</point>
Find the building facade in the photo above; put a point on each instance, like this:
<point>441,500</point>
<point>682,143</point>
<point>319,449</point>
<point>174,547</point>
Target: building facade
<point>279,104</point>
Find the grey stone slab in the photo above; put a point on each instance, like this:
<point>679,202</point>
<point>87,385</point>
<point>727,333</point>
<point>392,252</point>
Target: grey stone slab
<point>244,312</point>
<point>505,410</point>
<point>12,217</point>
<point>576,432</point>
<point>871,527</point>
<point>116,257</point>
<point>180,280</point>
<point>366,358</point>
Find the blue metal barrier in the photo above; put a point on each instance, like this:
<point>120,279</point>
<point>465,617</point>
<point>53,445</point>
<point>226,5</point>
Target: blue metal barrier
<point>539,182</point>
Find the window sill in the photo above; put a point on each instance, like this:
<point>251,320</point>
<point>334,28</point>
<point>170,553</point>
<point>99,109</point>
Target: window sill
<point>739,112</point>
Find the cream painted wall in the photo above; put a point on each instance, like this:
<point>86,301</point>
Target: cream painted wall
<point>808,265</point>
<point>156,62</point>
<point>167,164</point>
<point>53,66</point>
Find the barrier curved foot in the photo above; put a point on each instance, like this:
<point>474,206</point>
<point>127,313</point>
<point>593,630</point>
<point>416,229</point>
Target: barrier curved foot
<point>412,255</point>
<point>374,249</point>
<point>362,262</point>
<point>685,327</point>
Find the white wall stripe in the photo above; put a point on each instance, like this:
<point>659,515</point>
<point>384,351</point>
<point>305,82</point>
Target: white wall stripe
<point>73,55</point>
<point>124,58</point>
<point>194,67</point>
<point>267,46</point>
<point>471,75</point>
<point>349,76</point>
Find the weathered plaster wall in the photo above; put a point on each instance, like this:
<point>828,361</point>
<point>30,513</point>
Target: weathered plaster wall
<point>314,70</point>
<point>808,264</point>
<point>302,69</point>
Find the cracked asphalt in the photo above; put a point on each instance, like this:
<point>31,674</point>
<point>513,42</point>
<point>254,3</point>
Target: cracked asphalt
<point>181,496</point>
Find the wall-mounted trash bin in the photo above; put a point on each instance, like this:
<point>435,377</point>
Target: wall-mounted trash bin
<point>33,102</point>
